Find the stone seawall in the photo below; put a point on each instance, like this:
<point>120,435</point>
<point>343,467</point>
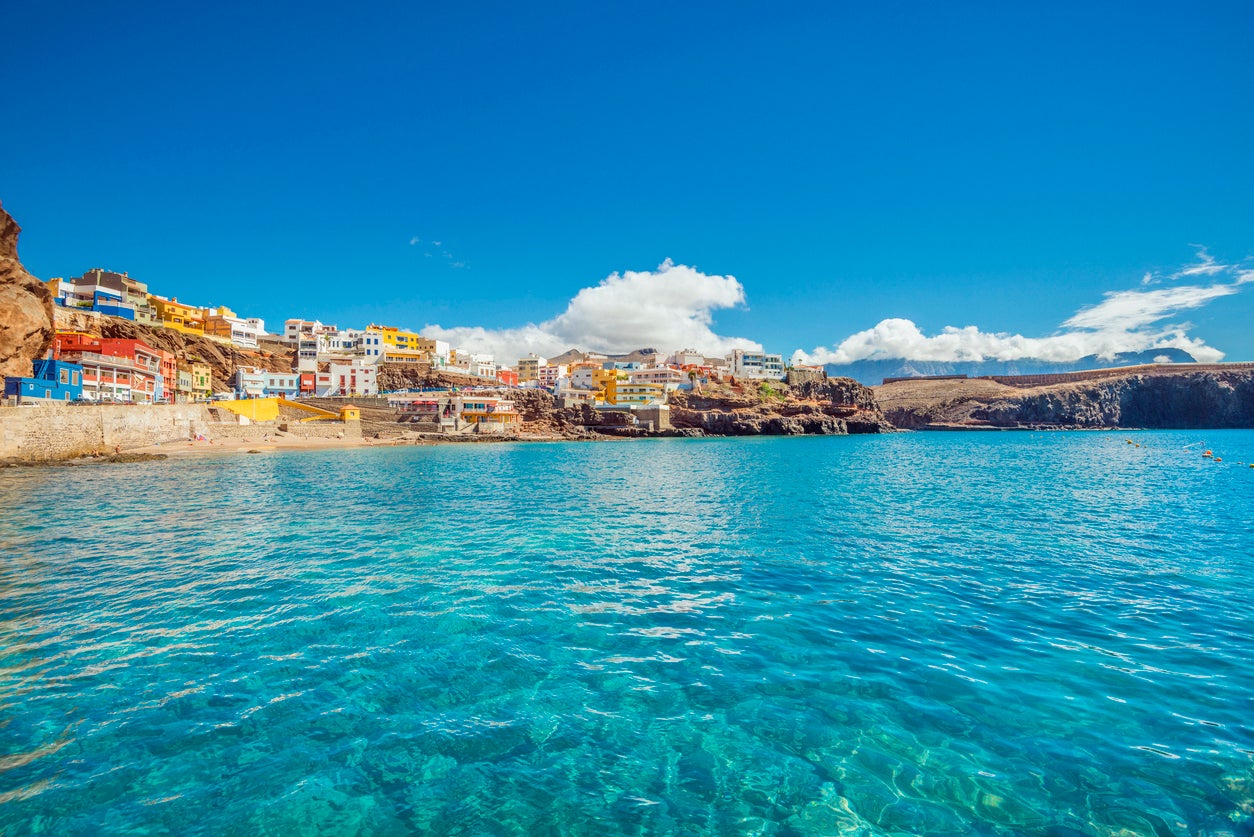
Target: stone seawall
<point>56,431</point>
<point>323,429</point>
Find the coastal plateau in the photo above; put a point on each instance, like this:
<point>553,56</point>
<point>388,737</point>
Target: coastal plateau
<point>1160,397</point>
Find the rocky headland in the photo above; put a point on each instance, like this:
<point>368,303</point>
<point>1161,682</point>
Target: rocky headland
<point>1163,398</point>
<point>824,407</point>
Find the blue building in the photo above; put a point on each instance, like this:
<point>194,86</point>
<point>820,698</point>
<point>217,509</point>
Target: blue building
<point>53,380</point>
<point>107,302</point>
<point>282,384</point>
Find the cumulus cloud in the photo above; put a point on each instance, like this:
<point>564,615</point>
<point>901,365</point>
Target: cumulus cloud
<point>1133,320</point>
<point>668,308</point>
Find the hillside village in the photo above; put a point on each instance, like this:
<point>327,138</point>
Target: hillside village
<point>117,342</point>
<point>103,338</point>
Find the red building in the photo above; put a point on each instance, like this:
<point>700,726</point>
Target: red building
<point>115,369</point>
<point>508,377</point>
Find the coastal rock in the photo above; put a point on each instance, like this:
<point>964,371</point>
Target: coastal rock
<point>26,307</point>
<point>832,406</point>
<point>1168,398</point>
<point>399,376</point>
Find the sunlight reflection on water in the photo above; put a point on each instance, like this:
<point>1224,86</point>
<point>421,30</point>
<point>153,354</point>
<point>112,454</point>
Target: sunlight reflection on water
<point>941,634</point>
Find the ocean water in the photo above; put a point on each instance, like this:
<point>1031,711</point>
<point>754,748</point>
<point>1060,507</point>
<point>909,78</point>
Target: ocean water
<point>916,634</point>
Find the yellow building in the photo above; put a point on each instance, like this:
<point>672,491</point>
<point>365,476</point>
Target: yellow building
<point>528,368</point>
<point>605,378</point>
<point>202,381</point>
<point>491,411</point>
<point>174,314</point>
<point>393,345</point>
<point>618,392</point>
<point>183,392</point>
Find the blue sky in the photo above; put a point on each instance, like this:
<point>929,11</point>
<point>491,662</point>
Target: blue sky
<point>1001,166</point>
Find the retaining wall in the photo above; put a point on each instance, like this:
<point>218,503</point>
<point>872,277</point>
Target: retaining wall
<point>58,431</point>
<point>323,429</point>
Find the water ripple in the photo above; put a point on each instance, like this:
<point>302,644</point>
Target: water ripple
<point>1005,634</point>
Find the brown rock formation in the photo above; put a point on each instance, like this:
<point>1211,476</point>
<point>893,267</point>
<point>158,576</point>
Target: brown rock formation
<point>833,406</point>
<point>1171,397</point>
<point>26,309</point>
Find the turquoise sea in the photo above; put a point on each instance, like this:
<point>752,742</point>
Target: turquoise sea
<point>915,634</point>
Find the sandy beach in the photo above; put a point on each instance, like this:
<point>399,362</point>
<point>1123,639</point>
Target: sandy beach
<point>263,444</point>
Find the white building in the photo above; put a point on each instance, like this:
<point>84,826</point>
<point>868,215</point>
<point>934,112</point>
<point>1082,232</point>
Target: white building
<point>339,343</point>
<point>440,354</point>
<point>584,377</point>
<point>355,377</point>
<point>747,364</point>
<point>688,357</point>
<point>244,333</point>
<point>666,377</point>
<point>293,329</point>
<point>473,363</point>
<point>548,375</point>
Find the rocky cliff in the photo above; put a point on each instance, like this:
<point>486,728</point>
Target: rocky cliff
<point>1167,399</point>
<point>826,407</point>
<point>26,317</point>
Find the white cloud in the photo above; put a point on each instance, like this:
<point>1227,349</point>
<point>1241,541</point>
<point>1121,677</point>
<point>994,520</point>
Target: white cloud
<point>1206,266</point>
<point>1124,321</point>
<point>668,308</point>
<point>1130,311</point>
<point>414,240</point>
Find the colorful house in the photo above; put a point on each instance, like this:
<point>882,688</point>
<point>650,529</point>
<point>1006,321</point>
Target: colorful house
<point>105,292</point>
<point>529,367</point>
<point>495,412</point>
<point>202,381</point>
<point>167,377</point>
<point>51,381</point>
<point>114,369</point>
<point>282,384</point>
<point>388,344</point>
<point>183,384</point>
<point>549,374</point>
<point>174,314</point>
<point>249,382</point>
<point>620,393</point>
<point>222,323</point>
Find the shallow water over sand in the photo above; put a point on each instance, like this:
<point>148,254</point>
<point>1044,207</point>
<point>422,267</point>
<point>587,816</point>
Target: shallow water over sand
<point>1002,633</point>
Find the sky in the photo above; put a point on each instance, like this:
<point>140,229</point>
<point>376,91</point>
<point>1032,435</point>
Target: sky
<point>830,181</point>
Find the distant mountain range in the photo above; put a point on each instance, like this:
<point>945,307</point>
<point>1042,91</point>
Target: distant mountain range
<point>872,372</point>
<point>578,356</point>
